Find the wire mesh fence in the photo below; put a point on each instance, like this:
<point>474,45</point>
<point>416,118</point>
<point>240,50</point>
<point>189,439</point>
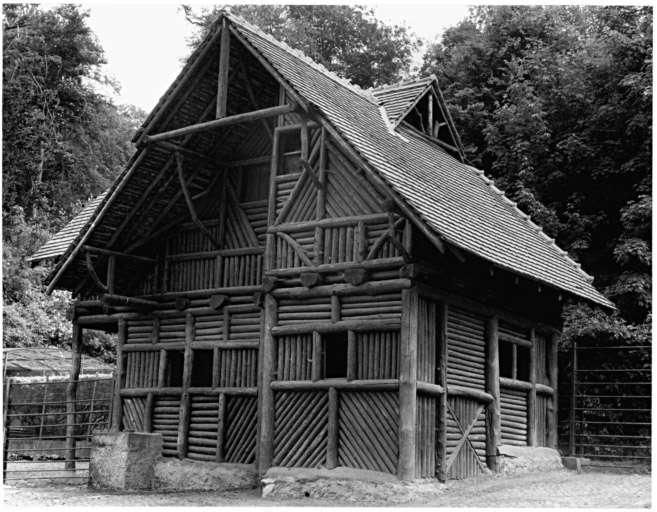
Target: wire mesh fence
<point>43,439</point>
<point>610,411</point>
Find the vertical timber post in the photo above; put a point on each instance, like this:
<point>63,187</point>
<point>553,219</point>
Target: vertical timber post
<point>185,400</point>
<point>573,402</point>
<point>332,444</point>
<point>71,395</point>
<point>441,436</point>
<point>267,405</point>
<point>552,420</point>
<point>493,416</point>
<point>408,385</point>
<point>531,396</point>
<point>117,407</point>
<point>222,82</point>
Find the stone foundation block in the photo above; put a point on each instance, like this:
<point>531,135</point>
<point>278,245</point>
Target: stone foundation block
<point>346,484</point>
<point>523,459</point>
<point>124,460</point>
<point>188,475</point>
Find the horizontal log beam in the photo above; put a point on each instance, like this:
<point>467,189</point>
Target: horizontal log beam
<point>475,394</point>
<point>373,265</point>
<point>123,300</point>
<point>340,290</point>
<point>544,390</point>
<point>371,218</point>
<point>518,385</point>
<point>199,345</point>
<point>427,388</point>
<point>226,121</point>
<point>339,384</point>
<point>107,252</point>
<point>243,251</point>
<point>129,393</point>
<point>341,326</point>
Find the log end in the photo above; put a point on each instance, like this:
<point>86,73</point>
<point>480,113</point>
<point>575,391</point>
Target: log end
<point>356,276</point>
<point>310,279</point>
<point>182,303</point>
<point>218,301</point>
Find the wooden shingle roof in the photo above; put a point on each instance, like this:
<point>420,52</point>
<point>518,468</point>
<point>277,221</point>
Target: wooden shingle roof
<point>454,200</point>
<point>398,98</point>
<point>62,240</point>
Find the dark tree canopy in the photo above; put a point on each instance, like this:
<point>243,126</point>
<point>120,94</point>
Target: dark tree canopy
<point>555,104</point>
<point>346,39</point>
<point>62,143</point>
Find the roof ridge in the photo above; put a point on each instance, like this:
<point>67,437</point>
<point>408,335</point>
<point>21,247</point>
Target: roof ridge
<point>403,84</point>
<point>538,229</point>
<point>364,93</point>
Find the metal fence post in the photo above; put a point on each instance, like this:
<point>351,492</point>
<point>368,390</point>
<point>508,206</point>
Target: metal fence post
<point>573,400</point>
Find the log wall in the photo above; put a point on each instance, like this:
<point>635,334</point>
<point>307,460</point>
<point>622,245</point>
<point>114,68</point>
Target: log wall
<point>466,345</point>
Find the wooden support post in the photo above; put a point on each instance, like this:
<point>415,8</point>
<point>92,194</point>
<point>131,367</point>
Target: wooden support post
<point>430,114</point>
<point>185,399</point>
<point>332,443</point>
<point>162,370</point>
<point>441,366</point>
<point>71,395</point>
<point>222,82</point>
<point>316,368</point>
<point>352,361</point>
<point>493,415</point>
<point>111,273</point>
<point>148,413</point>
<point>266,409</point>
<point>335,309</point>
<point>117,407</point>
<point>553,368</point>
<point>221,428</point>
<point>408,385</point>
<point>531,396</point>
<point>321,196</point>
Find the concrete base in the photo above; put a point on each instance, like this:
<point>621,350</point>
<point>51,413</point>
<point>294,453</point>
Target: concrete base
<point>124,460</point>
<point>346,485</point>
<point>514,460</point>
<point>574,463</point>
<point>193,475</point>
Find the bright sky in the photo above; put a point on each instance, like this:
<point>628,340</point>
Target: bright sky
<point>145,42</point>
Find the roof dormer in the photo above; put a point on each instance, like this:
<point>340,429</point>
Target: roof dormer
<point>420,104</point>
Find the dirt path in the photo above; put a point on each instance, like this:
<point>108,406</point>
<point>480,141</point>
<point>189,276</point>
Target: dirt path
<point>553,489</point>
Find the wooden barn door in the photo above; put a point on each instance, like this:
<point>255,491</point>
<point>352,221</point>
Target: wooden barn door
<point>465,415</point>
<point>465,423</point>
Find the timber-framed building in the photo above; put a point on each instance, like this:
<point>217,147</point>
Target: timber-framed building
<point>302,273</point>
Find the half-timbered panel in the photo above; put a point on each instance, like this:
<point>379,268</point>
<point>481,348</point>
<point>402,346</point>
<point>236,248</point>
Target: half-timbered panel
<point>368,431</point>
<point>466,438</point>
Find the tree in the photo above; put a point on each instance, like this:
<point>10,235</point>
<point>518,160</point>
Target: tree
<point>63,143</point>
<point>61,140</point>
<point>555,104</point>
<point>347,40</point>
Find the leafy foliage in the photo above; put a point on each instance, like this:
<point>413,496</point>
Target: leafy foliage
<point>346,39</point>
<point>555,103</point>
<point>62,144</point>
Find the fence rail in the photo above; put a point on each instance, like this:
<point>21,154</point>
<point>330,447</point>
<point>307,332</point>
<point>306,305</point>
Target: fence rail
<point>42,439</point>
<point>610,410</point>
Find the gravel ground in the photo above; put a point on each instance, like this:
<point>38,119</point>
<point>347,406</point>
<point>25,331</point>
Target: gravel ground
<point>552,489</point>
